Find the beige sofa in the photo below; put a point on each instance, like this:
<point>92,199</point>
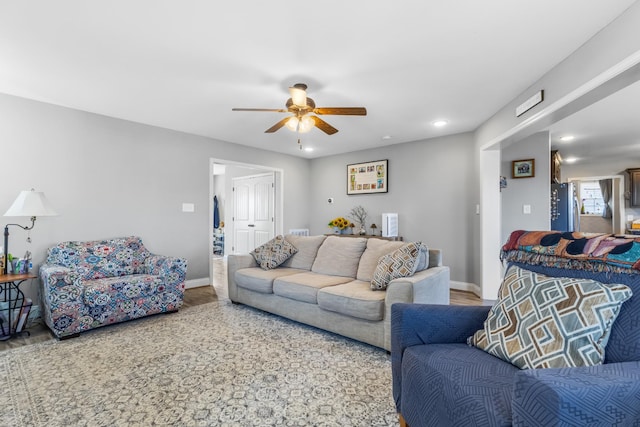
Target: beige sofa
<point>327,284</point>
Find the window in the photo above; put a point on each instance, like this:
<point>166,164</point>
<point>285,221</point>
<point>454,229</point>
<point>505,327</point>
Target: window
<point>591,198</point>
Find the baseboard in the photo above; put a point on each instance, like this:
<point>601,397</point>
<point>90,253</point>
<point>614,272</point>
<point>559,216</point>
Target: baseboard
<point>196,283</point>
<point>468,287</point>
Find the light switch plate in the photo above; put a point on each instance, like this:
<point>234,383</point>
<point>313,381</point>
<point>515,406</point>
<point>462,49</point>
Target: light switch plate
<point>526,209</point>
<point>188,207</point>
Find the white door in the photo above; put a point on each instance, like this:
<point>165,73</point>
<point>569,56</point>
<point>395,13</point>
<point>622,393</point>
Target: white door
<point>253,215</point>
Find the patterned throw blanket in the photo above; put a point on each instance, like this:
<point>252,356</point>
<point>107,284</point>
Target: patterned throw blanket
<point>585,251</point>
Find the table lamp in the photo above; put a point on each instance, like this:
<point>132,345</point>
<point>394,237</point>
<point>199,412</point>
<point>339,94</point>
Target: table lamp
<point>28,203</point>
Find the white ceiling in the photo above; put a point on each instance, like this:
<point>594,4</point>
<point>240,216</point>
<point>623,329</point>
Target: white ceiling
<point>607,130</point>
<point>183,64</point>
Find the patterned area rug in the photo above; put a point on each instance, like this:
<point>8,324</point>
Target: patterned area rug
<point>210,365</point>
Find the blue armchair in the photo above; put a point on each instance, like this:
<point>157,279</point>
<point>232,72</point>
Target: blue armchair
<point>440,380</point>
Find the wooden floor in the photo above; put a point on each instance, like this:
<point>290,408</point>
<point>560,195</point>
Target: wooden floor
<point>197,296</point>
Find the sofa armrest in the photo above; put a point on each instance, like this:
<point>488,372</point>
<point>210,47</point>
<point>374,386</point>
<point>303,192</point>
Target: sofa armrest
<point>235,263</point>
<point>430,286</point>
<point>418,324</point>
<point>596,395</point>
<point>55,278</point>
<point>172,270</point>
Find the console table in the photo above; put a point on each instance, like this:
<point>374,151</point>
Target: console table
<point>11,300</point>
<point>368,236</point>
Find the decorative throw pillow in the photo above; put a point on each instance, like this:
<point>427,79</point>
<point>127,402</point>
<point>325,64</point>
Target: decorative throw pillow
<point>400,263</point>
<point>550,322</point>
<point>273,253</point>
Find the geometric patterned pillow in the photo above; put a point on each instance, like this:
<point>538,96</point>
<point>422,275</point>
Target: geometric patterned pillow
<point>273,253</point>
<point>550,322</point>
<point>400,263</point>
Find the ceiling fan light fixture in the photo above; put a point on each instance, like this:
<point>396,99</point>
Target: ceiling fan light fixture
<point>292,124</point>
<point>298,96</point>
<point>305,125</point>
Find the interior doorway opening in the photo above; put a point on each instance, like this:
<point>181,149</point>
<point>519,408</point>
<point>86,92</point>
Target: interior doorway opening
<point>222,173</point>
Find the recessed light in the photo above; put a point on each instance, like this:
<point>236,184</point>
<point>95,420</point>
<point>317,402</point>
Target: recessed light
<point>387,137</point>
<point>567,138</point>
<point>308,149</point>
<point>571,159</point>
<point>440,123</point>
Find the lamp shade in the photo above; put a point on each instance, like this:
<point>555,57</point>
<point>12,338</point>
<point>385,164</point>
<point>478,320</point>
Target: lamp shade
<point>30,203</point>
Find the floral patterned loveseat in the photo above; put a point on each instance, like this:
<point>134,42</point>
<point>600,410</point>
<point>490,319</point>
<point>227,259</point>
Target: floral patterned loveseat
<point>86,285</point>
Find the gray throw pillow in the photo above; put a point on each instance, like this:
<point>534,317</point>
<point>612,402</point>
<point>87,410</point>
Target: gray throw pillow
<point>400,263</point>
<point>273,253</point>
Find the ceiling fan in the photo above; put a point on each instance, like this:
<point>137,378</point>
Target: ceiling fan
<point>301,107</point>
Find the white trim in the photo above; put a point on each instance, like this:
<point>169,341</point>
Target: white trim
<point>196,283</point>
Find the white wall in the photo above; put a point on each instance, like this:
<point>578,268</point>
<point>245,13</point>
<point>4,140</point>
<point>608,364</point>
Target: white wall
<point>109,177</point>
<point>430,187</point>
<point>534,192</point>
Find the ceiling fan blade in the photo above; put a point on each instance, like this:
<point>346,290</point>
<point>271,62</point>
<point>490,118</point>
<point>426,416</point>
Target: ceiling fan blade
<point>324,126</point>
<point>278,125</point>
<point>276,110</point>
<point>342,111</point>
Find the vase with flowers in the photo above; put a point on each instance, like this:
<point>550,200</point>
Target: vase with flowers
<point>338,224</point>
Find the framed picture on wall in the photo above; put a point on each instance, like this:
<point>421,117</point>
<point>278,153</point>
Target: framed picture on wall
<point>523,168</point>
<point>367,178</point>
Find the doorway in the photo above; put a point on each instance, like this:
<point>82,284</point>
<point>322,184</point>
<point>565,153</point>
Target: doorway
<point>591,204</point>
<point>221,173</point>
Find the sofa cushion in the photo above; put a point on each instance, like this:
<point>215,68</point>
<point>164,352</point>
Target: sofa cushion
<point>339,256</point>
<point>550,322</point>
<point>100,292</point>
<point>307,250</point>
<point>273,253</point>
<point>304,286</point>
<point>453,384</point>
<point>258,280</point>
<point>376,248</point>
<point>355,299</point>
<point>402,262</point>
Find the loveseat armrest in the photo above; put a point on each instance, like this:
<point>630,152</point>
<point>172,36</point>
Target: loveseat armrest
<point>602,395</point>
<point>172,270</point>
<point>418,324</point>
<point>235,263</point>
<point>56,277</point>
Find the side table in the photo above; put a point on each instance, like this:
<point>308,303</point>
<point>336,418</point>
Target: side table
<point>11,302</point>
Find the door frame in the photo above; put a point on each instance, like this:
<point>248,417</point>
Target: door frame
<point>278,205</point>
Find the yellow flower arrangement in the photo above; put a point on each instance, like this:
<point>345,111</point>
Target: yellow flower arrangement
<point>339,222</point>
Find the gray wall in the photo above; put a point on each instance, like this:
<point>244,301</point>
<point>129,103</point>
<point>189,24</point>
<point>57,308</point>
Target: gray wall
<point>109,177</point>
<point>430,187</point>
<point>526,191</point>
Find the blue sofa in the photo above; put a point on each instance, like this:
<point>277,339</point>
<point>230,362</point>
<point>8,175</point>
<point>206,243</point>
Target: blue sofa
<point>440,380</point>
